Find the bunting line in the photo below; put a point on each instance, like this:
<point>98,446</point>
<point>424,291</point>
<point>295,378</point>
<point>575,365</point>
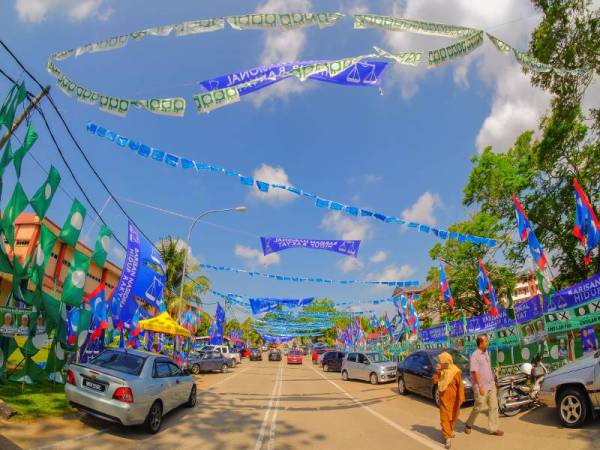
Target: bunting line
<point>173,160</point>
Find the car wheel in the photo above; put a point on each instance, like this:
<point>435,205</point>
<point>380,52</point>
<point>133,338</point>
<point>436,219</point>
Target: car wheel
<point>192,398</point>
<point>572,408</point>
<point>436,396</point>
<point>195,369</point>
<point>224,368</point>
<point>344,375</point>
<point>325,368</point>
<point>154,418</point>
<point>402,386</point>
<point>233,362</point>
<point>373,378</point>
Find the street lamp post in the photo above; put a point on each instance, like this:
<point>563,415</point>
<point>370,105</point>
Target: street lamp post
<point>189,236</point>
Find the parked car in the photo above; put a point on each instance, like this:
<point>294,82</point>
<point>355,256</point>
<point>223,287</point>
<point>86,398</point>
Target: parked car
<point>245,352</point>
<point>294,357</point>
<point>255,354</point>
<point>208,362</point>
<point>416,371</point>
<point>368,366</point>
<point>226,351</point>
<point>130,387</point>
<point>322,353</point>
<point>274,355</point>
<point>332,361</point>
<point>316,353</point>
<point>574,390</point>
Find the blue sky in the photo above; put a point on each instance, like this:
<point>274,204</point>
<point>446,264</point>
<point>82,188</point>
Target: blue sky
<point>405,153</point>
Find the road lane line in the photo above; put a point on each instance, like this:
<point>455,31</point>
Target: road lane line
<point>271,444</point>
<point>263,428</point>
<point>407,432</point>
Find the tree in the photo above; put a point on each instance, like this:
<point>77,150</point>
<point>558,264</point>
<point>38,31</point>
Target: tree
<point>173,255</point>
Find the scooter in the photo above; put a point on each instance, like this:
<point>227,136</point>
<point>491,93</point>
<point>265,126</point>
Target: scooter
<point>520,392</point>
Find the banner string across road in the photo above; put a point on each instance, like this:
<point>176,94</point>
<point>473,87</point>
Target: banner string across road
<point>173,160</point>
<point>348,71</point>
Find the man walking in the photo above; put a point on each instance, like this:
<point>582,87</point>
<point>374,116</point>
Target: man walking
<point>484,387</point>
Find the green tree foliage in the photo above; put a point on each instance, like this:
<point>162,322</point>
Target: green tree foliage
<point>173,255</point>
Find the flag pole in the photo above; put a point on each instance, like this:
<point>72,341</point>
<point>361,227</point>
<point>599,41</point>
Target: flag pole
<point>32,104</point>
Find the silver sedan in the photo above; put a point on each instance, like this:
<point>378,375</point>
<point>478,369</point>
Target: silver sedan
<point>129,387</point>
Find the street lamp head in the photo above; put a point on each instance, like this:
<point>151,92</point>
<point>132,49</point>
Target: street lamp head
<point>240,209</point>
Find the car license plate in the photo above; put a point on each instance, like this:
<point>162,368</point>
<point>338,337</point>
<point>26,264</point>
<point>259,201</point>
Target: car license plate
<point>95,386</point>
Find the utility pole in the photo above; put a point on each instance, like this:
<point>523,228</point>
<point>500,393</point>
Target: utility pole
<point>23,115</point>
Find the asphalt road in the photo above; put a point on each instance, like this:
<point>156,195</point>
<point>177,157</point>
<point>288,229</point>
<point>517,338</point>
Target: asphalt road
<point>270,405</point>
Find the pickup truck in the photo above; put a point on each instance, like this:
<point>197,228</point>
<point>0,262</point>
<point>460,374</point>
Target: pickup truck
<point>225,351</point>
<point>574,390</point>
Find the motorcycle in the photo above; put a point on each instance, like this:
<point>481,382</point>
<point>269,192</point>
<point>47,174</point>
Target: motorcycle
<point>520,392</point>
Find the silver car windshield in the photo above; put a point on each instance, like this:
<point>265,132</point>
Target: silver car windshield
<point>377,358</point>
<point>120,362</point>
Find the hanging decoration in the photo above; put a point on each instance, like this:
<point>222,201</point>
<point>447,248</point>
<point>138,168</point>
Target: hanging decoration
<point>349,71</point>
<point>173,160</point>
<point>263,305</point>
<point>277,244</point>
<point>587,225</point>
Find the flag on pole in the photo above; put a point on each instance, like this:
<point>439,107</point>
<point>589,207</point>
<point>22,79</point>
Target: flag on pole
<point>15,206</point>
<point>75,281</point>
<point>99,307</point>
<point>7,157</point>
<point>28,141</point>
<point>43,251</point>
<point>73,225</point>
<point>445,288</point>
<point>526,232</point>
<point>486,289</point>
<point>587,226</point>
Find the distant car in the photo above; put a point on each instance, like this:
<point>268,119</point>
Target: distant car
<point>286,349</point>
<point>574,390</point>
<point>274,355</point>
<point>209,362</point>
<point>294,357</point>
<point>416,371</point>
<point>265,347</point>
<point>245,352</point>
<point>332,361</point>
<point>320,355</point>
<point>130,387</point>
<point>368,366</point>
<point>255,354</point>
<point>316,352</point>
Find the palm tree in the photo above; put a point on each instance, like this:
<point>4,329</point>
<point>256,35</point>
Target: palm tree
<point>173,254</point>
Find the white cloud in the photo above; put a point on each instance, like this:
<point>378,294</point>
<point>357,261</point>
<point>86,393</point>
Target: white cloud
<point>392,273</point>
<point>282,46</point>
<point>378,257</point>
<point>516,105</point>
<point>347,227</point>
<point>276,175</point>
<point>254,257</point>
<point>350,264</point>
<point>422,211</point>
<point>37,11</point>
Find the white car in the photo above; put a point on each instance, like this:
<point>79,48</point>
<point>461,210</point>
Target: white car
<point>225,351</point>
<point>574,390</point>
<point>129,387</point>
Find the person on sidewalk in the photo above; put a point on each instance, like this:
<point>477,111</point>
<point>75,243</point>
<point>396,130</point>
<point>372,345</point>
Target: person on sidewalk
<point>484,387</point>
<point>452,394</point>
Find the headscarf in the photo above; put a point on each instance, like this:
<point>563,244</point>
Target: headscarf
<point>447,375</point>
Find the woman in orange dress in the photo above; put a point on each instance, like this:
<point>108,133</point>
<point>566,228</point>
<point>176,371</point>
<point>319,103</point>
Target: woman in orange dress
<point>452,394</point>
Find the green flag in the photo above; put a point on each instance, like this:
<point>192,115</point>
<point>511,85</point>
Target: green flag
<point>75,280</point>
<point>7,157</point>
<point>20,273</point>
<point>42,255</point>
<point>30,138</point>
<point>15,97</point>
<point>72,227</point>
<point>545,287</point>
<point>43,197</point>
<point>102,245</point>
<point>510,312</point>
<point>15,206</point>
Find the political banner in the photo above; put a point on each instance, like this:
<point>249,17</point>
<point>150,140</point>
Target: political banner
<point>262,305</point>
<point>487,322</point>
<point>277,244</point>
<point>456,328</point>
<point>434,334</point>
<point>142,278</point>
<point>364,73</point>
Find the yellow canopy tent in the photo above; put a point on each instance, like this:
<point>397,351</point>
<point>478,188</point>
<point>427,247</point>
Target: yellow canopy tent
<point>163,323</point>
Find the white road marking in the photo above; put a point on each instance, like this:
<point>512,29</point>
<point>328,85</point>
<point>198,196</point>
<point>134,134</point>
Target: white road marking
<point>104,430</point>
<point>427,443</point>
<point>271,444</point>
<point>274,396</point>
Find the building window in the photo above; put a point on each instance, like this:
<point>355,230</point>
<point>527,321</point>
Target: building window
<point>21,243</point>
